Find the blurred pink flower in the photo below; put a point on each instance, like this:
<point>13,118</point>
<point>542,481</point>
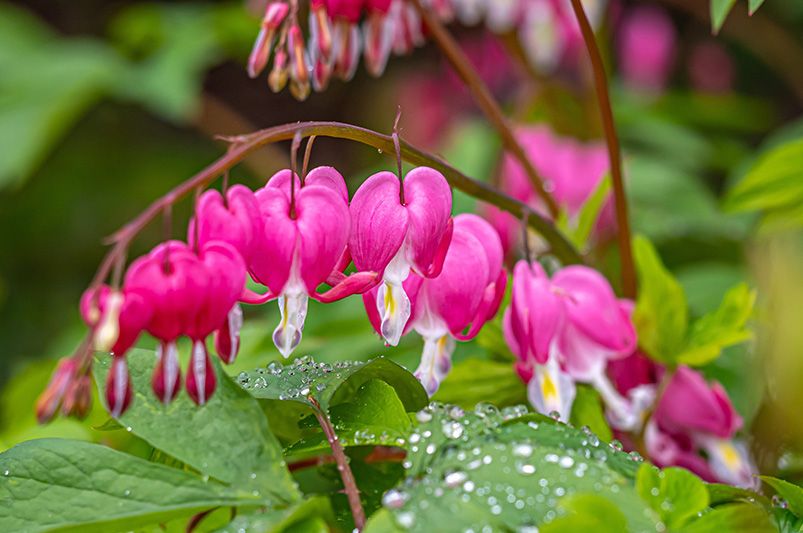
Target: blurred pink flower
<point>646,46</point>
<point>711,69</point>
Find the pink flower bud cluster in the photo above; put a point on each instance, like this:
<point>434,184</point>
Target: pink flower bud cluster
<point>441,275</point>
<point>340,31</point>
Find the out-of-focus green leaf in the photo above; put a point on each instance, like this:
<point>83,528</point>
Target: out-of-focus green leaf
<point>719,493</point>
<point>733,518</point>
<point>773,185</point>
<point>719,12</point>
<point>661,316</point>
<point>705,284</point>
<point>477,380</point>
<point>789,492</point>
<point>227,439</point>
<point>675,494</point>
<point>710,334</point>
<point>471,147</point>
<point>65,485</point>
<point>277,521</point>
<point>587,410</point>
<point>588,512</point>
<point>753,5</point>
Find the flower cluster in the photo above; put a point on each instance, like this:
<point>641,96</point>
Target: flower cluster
<point>416,266</point>
<point>342,30</point>
<point>571,328</point>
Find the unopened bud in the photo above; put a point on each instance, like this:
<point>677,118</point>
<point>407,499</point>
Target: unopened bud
<point>78,397</point>
<point>277,79</point>
<point>321,29</point>
<point>275,14</point>
<point>108,330</point>
<point>51,398</point>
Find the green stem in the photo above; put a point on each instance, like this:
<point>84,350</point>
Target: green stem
<point>614,152</point>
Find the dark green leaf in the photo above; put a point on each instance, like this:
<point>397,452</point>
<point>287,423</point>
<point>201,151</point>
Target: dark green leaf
<point>719,493</point>
<point>661,316</point>
<point>588,512</point>
<point>308,382</point>
<point>277,521</point>
<point>65,485</point>
<point>227,439</point>
<point>719,12</point>
<point>722,328</point>
<point>675,494</point>
<point>587,410</point>
<point>789,492</point>
<point>475,380</point>
<point>733,518</point>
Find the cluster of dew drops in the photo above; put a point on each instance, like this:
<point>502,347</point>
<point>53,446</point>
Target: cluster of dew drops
<point>297,380</point>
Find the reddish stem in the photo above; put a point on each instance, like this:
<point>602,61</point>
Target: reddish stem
<point>614,152</point>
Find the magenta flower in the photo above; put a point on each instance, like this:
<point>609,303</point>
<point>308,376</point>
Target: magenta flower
<point>647,41</point>
<point>303,240</point>
<point>565,330</point>
<point>394,236</point>
<point>572,172</point>
<point>455,304</point>
<point>690,410</point>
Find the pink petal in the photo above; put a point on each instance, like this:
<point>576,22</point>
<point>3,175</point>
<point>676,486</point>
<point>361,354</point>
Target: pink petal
<point>428,200</point>
<point>271,264</point>
<point>489,239</point>
<point>254,298</point>
<point>328,177</point>
<point>323,226</point>
<point>237,223</point>
<point>492,297</point>
<point>356,283</point>
<point>379,222</point>
<point>225,281</point>
<point>537,313</point>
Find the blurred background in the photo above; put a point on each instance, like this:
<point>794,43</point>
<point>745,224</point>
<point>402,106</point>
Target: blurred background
<point>106,105</point>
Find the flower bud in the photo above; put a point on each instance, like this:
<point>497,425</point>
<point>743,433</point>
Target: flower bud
<point>51,398</point>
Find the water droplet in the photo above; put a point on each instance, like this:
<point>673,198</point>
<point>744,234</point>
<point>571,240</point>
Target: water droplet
<point>554,415</point>
<point>394,499</point>
<point>6,473</point>
<point>455,479</point>
<point>616,445</point>
<point>431,448</point>
<point>423,416</point>
<point>635,456</point>
<point>453,430</point>
<point>468,486</point>
<point>522,450</point>
<point>405,520</point>
<point>456,412</point>
<point>525,469</point>
<point>320,387</point>
<point>566,462</point>
<point>777,501</point>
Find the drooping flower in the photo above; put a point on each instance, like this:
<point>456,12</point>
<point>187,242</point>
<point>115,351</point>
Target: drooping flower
<point>565,330</point>
<point>237,221</point>
<point>393,236</point>
<point>710,68</point>
<point>455,304</point>
<point>691,416</point>
<point>302,241</point>
<point>571,170</point>
<point>646,48</point>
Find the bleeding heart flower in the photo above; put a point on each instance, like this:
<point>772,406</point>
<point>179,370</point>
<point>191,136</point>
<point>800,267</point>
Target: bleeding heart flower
<point>646,47</point>
<point>392,237</point>
<point>457,303</point>
<point>303,240</point>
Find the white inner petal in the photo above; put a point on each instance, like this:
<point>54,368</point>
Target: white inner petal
<point>198,368</point>
<point>626,414</point>
<point>551,390</point>
<point>436,361</point>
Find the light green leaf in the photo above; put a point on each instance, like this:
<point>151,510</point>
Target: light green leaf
<point>789,492</point>
<point>719,493</point>
<point>589,213</point>
<point>276,521</point>
<point>715,331</point>
<point>588,512</point>
<point>774,182</point>
<point>733,518</point>
<point>375,416</point>
<point>661,315</point>
<point>227,439</point>
<point>587,410</point>
<point>309,383</point>
<point>475,380</point>
<point>753,5</point>
<point>675,494</point>
<point>65,485</point>
<point>719,12</point>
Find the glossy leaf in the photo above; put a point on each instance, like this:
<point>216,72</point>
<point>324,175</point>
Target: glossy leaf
<point>588,512</point>
<point>733,518</point>
<point>280,520</point>
<point>587,410</point>
<point>789,492</point>
<point>228,438</point>
<point>675,494</point>
<point>472,381</point>
<point>66,485</point>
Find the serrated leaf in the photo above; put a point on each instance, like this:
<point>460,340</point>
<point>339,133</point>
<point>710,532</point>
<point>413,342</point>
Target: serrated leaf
<point>309,383</point>
<point>588,512</point>
<point>661,315</point>
<point>473,380</point>
<point>277,521</point>
<point>789,492</point>
<point>712,333</point>
<point>65,485</point>
<point>675,494</point>
<point>228,438</point>
<point>733,518</point>
<point>719,12</point>
<point>753,5</point>
<point>774,182</point>
<point>375,416</point>
<point>587,410</point>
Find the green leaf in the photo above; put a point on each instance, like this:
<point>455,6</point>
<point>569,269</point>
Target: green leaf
<point>589,213</point>
<point>276,521</point>
<point>775,182</point>
<point>675,494</point>
<point>307,382</point>
<point>733,518</point>
<point>375,416</point>
<point>715,331</point>
<point>475,380</point>
<point>458,458</point>
<point>587,410</point>
<point>719,493</point>
<point>588,512</point>
<point>789,492</point>
<point>719,12</point>
<point>661,315</point>
<point>65,485</point>
<point>227,439</point>
<point>753,5</point>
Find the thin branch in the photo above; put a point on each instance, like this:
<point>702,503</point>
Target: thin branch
<point>244,145</point>
<point>349,483</point>
<point>482,95</point>
<point>614,152</point>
